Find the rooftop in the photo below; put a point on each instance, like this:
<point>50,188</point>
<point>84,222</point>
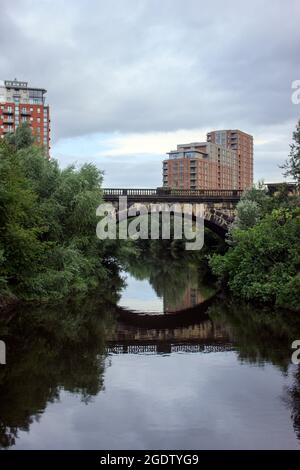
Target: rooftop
<point>19,84</point>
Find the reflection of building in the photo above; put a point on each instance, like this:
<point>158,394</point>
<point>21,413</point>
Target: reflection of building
<point>191,297</point>
<point>225,161</point>
<point>20,103</point>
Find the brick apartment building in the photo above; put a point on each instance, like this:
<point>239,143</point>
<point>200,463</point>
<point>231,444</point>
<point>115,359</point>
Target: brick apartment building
<point>242,144</point>
<point>225,161</point>
<point>21,103</point>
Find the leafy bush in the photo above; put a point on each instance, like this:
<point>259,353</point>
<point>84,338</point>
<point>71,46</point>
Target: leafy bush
<point>48,244</point>
<point>263,265</point>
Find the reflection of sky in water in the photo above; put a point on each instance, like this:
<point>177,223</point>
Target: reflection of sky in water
<point>179,401</point>
<point>140,296</point>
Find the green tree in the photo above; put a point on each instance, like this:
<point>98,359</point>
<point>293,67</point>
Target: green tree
<point>22,137</point>
<point>292,165</point>
<point>263,265</point>
<point>48,244</point>
<point>248,214</point>
<point>19,228</point>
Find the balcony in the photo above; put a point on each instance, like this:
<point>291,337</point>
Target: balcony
<point>8,111</point>
<point>25,112</point>
<point>8,120</point>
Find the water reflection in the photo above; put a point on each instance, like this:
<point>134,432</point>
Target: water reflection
<point>49,350</point>
<point>90,374</point>
<point>159,282</point>
<point>189,332</point>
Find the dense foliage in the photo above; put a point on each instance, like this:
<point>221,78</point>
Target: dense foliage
<point>48,245</point>
<point>263,261</point>
<point>292,165</point>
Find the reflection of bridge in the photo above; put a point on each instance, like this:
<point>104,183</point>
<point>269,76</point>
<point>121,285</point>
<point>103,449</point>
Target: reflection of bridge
<point>165,321</point>
<point>188,331</point>
<point>219,204</point>
<point>166,348</point>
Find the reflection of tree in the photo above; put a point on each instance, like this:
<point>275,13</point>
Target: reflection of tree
<point>260,334</point>
<point>169,268</point>
<point>50,349</point>
<point>292,399</point>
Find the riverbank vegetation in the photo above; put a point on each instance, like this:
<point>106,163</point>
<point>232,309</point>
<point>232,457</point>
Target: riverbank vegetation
<point>262,263</point>
<point>48,246</point>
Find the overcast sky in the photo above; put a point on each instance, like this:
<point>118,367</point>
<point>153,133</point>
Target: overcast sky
<point>128,80</point>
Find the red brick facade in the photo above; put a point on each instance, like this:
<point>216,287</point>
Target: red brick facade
<point>225,161</point>
<point>242,144</point>
<point>16,111</point>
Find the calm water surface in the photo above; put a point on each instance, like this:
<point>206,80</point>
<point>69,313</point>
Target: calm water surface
<point>166,368</point>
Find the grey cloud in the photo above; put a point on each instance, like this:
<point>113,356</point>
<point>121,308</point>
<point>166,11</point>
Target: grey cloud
<point>123,171</point>
<point>141,65</point>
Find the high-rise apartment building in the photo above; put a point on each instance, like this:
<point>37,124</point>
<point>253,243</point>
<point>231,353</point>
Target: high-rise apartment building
<point>242,144</point>
<point>225,161</point>
<point>21,103</point>
<point>201,165</point>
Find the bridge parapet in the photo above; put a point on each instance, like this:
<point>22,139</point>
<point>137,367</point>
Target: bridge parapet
<point>173,195</point>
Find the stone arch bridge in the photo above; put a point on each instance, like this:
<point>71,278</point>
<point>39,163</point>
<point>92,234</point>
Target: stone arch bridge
<point>219,204</point>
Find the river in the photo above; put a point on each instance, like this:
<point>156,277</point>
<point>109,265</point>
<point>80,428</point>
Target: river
<point>162,364</point>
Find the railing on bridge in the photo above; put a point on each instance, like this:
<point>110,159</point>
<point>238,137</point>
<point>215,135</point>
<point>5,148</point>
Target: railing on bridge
<point>168,347</point>
<point>129,192</point>
<point>168,192</point>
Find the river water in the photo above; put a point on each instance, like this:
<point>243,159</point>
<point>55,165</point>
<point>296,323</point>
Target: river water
<point>161,365</point>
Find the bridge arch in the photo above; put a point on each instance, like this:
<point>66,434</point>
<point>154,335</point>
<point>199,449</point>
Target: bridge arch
<point>219,205</point>
<point>215,221</point>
